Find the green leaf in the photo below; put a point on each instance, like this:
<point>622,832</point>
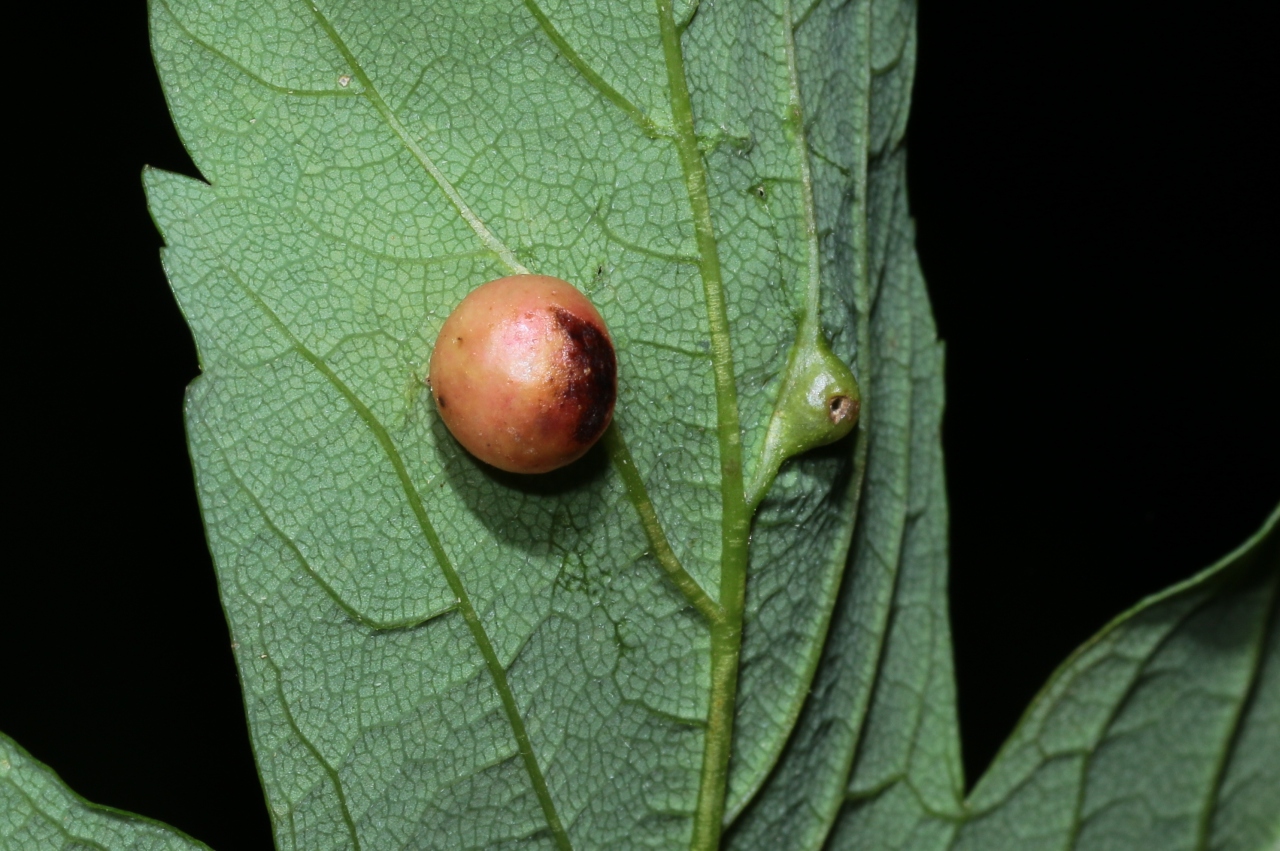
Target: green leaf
<point>1163,731</point>
<point>695,627</point>
<point>438,655</point>
<point>896,575</point>
<point>38,811</point>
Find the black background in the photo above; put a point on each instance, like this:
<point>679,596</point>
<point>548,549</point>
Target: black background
<point>1095,196</point>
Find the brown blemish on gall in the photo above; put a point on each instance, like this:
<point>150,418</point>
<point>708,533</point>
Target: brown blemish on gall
<point>590,384</point>
<point>534,385</point>
<point>842,408</point>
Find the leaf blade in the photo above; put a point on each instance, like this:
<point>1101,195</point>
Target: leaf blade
<point>1133,738</point>
<point>377,195</point>
<point>37,810</point>
<point>200,240</point>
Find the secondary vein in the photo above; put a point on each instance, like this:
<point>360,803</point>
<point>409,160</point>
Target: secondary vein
<point>589,74</point>
<point>505,254</point>
<point>490,240</point>
<point>658,543</point>
<point>1267,624</point>
<point>329,770</point>
<point>451,575</point>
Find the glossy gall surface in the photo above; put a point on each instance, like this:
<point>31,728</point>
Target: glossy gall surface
<point>524,373</point>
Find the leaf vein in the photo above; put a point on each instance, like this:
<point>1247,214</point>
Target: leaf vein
<point>735,516</point>
<point>1267,626</point>
<point>62,829</point>
<point>593,77</point>
<point>325,765</point>
<point>486,236</point>
<point>244,69</point>
<point>454,580</point>
<point>347,608</point>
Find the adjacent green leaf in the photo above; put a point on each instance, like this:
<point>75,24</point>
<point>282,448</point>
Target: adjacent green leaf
<point>38,811</point>
<point>891,631</point>
<point>897,566</point>
<point>1162,732</point>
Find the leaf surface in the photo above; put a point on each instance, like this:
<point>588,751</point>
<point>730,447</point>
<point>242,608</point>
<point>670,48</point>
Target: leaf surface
<point>1163,731</point>
<point>38,811</point>
<point>438,655</point>
<point>896,574</point>
<point>435,654</point>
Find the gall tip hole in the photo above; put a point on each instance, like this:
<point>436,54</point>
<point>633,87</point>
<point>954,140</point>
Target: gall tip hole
<point>842,409</point>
